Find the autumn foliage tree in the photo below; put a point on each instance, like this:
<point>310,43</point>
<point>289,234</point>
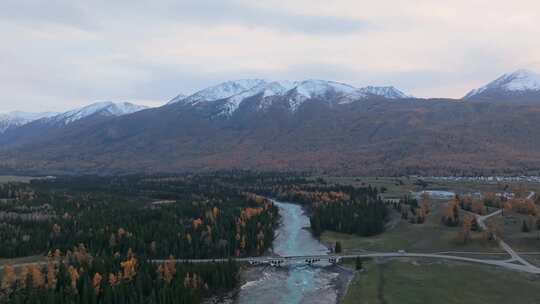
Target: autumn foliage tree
<point>523,206</point>
<point>425,203</point>
<point>465,233</point>
<point>96,282</point>
<point>478,206</point>
<point>9,279</point>
<point>130,281</point>
<point>451,213</point>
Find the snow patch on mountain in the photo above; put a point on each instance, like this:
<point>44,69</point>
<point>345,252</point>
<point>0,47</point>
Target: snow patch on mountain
<point>265,89</point>
<point>319,88</point>
<point>386,92</point>
<point>178,98</point>
<point>17,118</point>
<point>520,81</point>
<point>389,92</point>
<point>105,108</point>
<point>222,91</point>
<point>231,94</point>
<point>316,89</point>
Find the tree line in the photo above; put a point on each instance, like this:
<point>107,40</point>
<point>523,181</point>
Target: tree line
<point>79,277</point>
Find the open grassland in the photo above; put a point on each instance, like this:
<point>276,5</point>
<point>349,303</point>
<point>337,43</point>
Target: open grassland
<point>510,226</point>
<point>11,178</point>
<point>408,282</point>
<point>431,236</point>
<point>394,187</point>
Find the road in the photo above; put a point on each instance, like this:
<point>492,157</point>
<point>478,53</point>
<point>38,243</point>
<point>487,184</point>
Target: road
<point>508,264</point>
<point>515,262</point>
<point>514,256</point>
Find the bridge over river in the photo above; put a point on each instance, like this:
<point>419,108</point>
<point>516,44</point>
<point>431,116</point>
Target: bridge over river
<point>512,263</point>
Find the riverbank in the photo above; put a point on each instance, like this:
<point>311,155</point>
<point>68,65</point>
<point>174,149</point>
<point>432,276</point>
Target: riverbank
<point>343,281</point>
<point>296,283</point>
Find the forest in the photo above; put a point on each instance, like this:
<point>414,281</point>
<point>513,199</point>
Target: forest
<point>101,235</point>
<point>79,277</point>
<point>341,208</point>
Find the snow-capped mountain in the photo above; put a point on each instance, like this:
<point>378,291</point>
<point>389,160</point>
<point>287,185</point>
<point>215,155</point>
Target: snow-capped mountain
<point>263,89</point>
<point>220,91</point>
<point>310,125</point>
<point>320,89</point>
<point>45,126</point>
<point>228,96</point>
<point>105,108</point>
<point>386,92</point>
<point>176,99</point>
<point>521,83</point>
<point>17,118</point>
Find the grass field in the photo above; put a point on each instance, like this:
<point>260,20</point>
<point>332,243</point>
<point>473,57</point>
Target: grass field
<point>408,282</point>
<point>510,226</point>
<point>395,187</point>
<point>11,178</point>
<point>432,236</point>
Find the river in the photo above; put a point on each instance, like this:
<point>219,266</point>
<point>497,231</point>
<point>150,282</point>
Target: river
<point>294,283</point>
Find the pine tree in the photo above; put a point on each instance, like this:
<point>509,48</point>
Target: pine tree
<point>358,263</point>
<point>525,227</point>
<point>337,248</point>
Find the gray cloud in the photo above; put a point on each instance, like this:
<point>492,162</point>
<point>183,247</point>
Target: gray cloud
<point>91,15</point>
<point>231,12</point>
<point>59,54</point>
<point>36,13</point>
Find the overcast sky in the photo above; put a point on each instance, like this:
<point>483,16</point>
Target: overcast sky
<point>60,54</point>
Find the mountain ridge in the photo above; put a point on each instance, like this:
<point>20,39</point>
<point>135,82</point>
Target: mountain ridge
<point>314,125</point>
<point>521,84</point>
<point>39,130</point>
<point>16,119</point>
<point>232,93</point>
<point>105,108</point>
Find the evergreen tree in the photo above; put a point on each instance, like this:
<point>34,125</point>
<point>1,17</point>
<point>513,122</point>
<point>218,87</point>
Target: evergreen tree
<point>358,263</point>
<point>337,247</point>
<point>525,227</point>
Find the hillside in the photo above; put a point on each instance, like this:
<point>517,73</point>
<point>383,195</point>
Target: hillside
<point>374,136</point>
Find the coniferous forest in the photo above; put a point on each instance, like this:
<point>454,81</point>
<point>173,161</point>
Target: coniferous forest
<point>100,236</point>
<point>341,208</point>
<point>127,239</point>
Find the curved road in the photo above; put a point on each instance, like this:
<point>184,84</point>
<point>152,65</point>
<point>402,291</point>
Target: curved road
<point>514,256</point>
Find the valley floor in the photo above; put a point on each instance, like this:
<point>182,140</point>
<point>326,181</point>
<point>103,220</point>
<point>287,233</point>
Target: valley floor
<point>408,282</point>
<point>412,280</point>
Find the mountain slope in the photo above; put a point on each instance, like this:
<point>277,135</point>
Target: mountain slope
<point>312,125</point>
<point>227,97</point>
<point>386,92</point>
<point>16,119</point>
<point>49,126</point>
<point>372,137</point>
<point>106,108</point>
<point>521,85</point>
<point>220,91</point>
